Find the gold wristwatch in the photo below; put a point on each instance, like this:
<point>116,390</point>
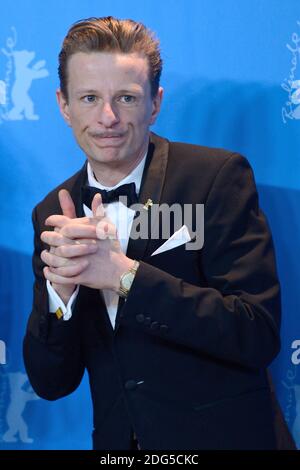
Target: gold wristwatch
<point>127,279</point>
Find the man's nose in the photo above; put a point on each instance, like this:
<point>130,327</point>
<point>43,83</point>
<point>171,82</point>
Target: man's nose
<point>108,115</point>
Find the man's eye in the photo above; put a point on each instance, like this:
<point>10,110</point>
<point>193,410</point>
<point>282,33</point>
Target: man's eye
<point>127,99</point>
<point>89,98</point>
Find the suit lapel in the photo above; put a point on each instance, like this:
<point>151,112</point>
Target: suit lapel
<point>151,188</point>
<point>76,193</point>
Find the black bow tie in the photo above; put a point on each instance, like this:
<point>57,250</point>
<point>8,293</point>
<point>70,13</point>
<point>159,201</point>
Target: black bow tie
<point>88,193</point>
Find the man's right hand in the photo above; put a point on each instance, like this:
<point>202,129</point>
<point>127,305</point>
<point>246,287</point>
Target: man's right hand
<point>67,246</point>
<point>68,210</point>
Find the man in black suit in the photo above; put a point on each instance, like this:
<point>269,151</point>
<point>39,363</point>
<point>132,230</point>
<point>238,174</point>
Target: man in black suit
<point>176,338</point>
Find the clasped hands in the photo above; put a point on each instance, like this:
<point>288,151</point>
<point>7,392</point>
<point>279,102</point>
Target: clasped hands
<point>83,250</point>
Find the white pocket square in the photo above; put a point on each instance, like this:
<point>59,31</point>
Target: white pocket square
<point>178,238</point>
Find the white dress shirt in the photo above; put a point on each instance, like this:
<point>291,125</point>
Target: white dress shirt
<point>122,218</point>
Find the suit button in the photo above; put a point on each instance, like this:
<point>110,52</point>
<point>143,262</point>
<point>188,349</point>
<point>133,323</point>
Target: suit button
<point>130,385</point>
<point>164,328</point>
<point>147,320</point>
<point>154,325</point>
<point>140,318</point>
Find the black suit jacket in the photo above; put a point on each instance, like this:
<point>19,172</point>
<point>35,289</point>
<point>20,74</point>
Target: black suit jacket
<point>185,367</point>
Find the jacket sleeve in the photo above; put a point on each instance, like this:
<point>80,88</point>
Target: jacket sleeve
<point>236,316</point>
<point>51,347</point>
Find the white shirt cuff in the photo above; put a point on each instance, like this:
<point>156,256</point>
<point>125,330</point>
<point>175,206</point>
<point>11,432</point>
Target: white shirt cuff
<point>55,302</point>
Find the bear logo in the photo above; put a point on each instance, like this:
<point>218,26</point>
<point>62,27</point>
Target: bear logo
<point>18,400</point>
<point>24,75</point>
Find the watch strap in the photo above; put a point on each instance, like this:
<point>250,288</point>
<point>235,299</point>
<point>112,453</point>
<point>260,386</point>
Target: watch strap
<point>123,291</point>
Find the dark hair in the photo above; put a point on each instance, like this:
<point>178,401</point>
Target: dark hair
<point>108,34</point>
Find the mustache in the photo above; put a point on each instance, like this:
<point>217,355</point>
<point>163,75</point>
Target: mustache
<point>107,134</point>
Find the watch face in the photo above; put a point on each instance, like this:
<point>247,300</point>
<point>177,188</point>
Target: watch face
<point>127,280</point>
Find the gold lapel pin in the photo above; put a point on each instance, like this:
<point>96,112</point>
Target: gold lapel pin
<point>59,313</point>
<point>148,204</point>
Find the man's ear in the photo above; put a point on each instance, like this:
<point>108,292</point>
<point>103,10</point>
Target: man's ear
<point>63,106</point>
<point>156,103</point>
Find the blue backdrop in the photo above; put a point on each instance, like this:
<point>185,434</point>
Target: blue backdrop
<point>231,78</point>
